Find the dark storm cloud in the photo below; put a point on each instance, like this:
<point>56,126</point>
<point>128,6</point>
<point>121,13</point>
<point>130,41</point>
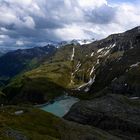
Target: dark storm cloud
<point>42,23</point>
<point>102,15</point>
<point>33,22</point>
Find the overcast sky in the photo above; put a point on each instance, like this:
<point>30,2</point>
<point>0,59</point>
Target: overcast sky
<point>25,23</point>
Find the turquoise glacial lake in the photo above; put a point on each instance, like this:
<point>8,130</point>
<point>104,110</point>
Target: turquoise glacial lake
<point>61,106</point>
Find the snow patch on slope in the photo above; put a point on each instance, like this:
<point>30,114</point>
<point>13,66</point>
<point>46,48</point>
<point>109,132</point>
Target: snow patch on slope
<point>92,70</point>
<point>85,41</point>
<point>73,53</point>
<point>135,65</point>
<point>100,50</point>
<point>87,85</point>
<point>78,66</point>
<point>98,62</point>
<point>92,54</point>
<point>92,80</point>
<point>105,51</point>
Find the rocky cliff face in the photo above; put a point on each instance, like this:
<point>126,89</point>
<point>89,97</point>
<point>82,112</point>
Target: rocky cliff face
<point>114,113</point>
<point>115,92</point>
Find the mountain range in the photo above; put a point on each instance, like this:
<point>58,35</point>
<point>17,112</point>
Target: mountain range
<point>103,74</point>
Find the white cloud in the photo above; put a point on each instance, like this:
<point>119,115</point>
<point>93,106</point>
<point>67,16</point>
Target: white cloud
<point>91,3</point>
<point>72,32</point>
<point>6,16</point>
<point>3,36</point>
<point>30,22</point>
<point>20,2</point>
<point>1,42</point>
<point>128,15</point>
<point>19,43</point>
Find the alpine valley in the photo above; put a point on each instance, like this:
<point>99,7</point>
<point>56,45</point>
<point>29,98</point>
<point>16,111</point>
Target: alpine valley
<point>103,74</point>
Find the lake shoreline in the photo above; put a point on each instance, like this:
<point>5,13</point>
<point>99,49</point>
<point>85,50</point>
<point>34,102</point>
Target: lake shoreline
<point>52,101</point>
<point>59,106</point>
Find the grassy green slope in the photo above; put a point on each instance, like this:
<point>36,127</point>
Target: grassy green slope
<point>103,60</point>
<point>35,124</point>
<point>46,82</point>
<point>55,75</point>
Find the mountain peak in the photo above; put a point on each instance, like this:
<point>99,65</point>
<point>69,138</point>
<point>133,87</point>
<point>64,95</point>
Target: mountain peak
<point>77,42</point>
<point>135,30</point>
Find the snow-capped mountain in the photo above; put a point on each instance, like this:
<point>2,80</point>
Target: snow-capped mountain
<point>76,42</point>
<point>85,41</point>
